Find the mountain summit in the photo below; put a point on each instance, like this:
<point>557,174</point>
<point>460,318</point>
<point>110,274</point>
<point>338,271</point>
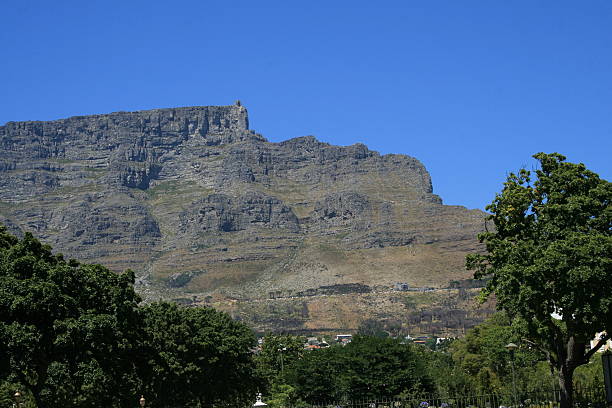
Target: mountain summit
<point>201,207</point>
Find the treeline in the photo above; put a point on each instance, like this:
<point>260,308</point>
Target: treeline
<point>376,366</point>
<point>367,368</point>
<point>76,335</point>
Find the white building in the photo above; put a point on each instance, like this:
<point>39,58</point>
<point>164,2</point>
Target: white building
<point>607,346</point>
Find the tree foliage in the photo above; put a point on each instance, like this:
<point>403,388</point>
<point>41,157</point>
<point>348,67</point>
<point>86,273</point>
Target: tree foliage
<point>479,363</point>
<point>74,335</point>
<point>550,254</point>
<point>366,368</point>
<point>66,328</point>
<point>483,356</point>
<point>197,356</point>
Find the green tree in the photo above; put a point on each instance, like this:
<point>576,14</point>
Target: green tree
<point>196,357</point>
<point>383,367</point>
<point>590,376</point>
<point>550,253</point>
<point>67,330</point>
<point>315,377</point>
<point>482,355</point>
<point>366,368</point>
<point>278,353</point>
<point>284,395</point>
<point>449,377</point>
<point>73,335</point>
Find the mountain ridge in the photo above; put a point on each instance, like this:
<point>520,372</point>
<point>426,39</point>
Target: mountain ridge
<point>201,206</point>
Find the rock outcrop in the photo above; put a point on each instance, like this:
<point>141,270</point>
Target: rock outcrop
<point>197,203</point>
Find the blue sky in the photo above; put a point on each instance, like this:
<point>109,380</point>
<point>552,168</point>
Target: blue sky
<point>471,88</point>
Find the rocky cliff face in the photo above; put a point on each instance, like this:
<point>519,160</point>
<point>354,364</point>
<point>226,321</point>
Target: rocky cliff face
<point>191,198</point>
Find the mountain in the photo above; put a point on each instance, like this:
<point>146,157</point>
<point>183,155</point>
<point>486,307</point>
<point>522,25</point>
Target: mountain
<point>209,212</point>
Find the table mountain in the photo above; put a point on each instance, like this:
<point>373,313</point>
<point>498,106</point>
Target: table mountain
<point>203,208</point>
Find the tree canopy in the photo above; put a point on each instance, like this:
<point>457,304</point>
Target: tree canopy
<point>548,259</point>
<point>196,356</point>
<point>277,352</point>
<point>483,356</point>
<point>75,335</point>
<point>367,368</point>
<point>66,328</point>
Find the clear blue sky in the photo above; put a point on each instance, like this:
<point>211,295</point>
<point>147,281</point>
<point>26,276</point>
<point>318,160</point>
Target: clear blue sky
<point>471,88</point>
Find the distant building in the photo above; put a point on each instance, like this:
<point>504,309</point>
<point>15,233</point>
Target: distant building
<point>344,339</point>
<point>313,341</point>
<point>421,340</point>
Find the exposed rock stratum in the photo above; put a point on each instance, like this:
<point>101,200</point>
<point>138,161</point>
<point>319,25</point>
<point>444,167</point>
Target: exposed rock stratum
<point>203,208</point>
